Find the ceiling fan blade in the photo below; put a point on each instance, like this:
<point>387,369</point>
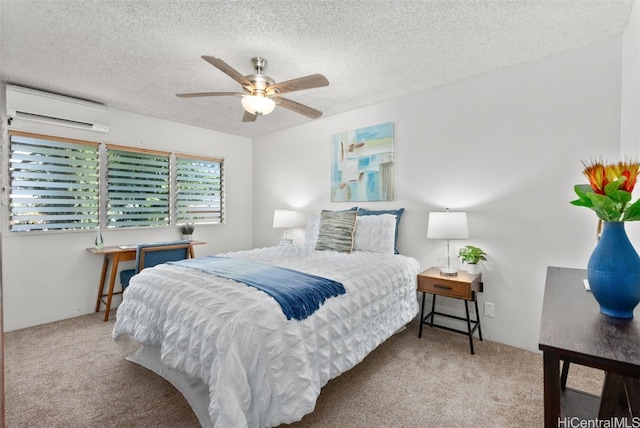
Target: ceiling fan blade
<point>307,82</point>
<point>248,117</point>
<point>298,108</point>
<point>229,71</point>
<point>208,94</point>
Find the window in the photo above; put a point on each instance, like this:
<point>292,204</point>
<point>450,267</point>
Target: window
<point>198,189</point>
<point>54,183</point>
<point>137,188</point>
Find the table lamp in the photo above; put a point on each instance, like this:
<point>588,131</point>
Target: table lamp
<point>448,225</point>
<point>285,219</point>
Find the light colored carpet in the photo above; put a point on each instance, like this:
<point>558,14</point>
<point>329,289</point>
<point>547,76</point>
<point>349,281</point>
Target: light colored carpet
<point>71,374</point>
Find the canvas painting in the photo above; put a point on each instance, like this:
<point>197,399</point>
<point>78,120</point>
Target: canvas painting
<point>362,164</point>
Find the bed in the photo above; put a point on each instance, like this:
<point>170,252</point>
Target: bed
<point>231,351</point>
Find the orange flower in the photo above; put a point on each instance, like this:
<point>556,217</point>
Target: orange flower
<point>600,174</point>
<point>597,176</point>
<point>629,170</point>
<point>609,190</point>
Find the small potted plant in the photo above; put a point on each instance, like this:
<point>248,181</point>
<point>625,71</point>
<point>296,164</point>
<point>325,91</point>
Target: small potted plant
<point>472,256</point>
<point>187,230</point>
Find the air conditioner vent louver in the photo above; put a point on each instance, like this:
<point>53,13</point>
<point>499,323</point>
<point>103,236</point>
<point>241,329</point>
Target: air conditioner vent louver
<point>43,107</point>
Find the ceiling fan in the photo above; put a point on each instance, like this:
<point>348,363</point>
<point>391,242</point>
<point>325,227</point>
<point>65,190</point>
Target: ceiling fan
<point>261,92</point>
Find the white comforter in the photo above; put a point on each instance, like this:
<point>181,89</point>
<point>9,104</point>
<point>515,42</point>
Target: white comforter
<point>263,370</point>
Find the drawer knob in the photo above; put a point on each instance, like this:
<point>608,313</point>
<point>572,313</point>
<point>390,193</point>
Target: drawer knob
<point>442,287</point>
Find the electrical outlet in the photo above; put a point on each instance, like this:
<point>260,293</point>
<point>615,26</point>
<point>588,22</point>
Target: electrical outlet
<point>489,309</point>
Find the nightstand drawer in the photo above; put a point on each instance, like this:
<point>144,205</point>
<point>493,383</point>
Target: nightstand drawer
<point>444,288</point>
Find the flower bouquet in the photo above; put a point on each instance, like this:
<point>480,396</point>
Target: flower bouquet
<point>609,190</point>
<point>613,271</point>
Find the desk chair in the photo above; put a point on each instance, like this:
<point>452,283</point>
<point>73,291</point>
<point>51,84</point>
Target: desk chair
<point>148,255</point>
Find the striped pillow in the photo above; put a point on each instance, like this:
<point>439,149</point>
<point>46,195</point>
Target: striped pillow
<point>337,230</point>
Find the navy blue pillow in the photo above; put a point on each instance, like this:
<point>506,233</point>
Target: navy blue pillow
<point>397,213</point>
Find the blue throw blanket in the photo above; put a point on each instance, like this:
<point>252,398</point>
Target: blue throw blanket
<point>298,293</point>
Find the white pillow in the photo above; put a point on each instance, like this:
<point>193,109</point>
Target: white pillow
<point>376,233</point>
<point>312,231</point>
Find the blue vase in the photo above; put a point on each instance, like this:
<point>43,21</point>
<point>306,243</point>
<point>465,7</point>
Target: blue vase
<point>613,272</point>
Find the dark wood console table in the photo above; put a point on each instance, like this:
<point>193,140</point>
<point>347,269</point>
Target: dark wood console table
<point>573,330</point>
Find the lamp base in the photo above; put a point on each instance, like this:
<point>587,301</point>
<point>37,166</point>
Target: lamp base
<point>448,272</point>
<point>448,263</point>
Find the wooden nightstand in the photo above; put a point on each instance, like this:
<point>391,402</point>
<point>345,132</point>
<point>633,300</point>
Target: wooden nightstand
<point>463,286</point>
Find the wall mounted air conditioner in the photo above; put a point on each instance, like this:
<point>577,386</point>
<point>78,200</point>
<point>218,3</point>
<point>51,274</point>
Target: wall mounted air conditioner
<point>38,106</point>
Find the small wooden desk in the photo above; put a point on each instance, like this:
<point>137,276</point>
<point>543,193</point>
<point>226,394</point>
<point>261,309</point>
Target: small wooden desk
<point>118,253</point>
<point>573,330</point>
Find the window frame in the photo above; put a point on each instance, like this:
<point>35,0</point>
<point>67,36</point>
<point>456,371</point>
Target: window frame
<point>56,163</point>
<point>102,166</point>
<point>155,159</point>
<point>220,190</point>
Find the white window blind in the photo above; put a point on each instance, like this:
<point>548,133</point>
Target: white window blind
<point>54,183</point>
<point>137,187</point>
<point>198,189</point>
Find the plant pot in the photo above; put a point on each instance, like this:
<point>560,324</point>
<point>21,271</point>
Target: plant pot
<point>187,237</point>
<point>613,272</point>
<point>473,269</point>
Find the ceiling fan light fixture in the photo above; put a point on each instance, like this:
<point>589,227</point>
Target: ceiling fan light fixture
<point>258,104</point>
<point>259,90</point>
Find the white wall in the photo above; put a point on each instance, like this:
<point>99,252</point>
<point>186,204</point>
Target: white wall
<point>630,113</point>
<point>506,147</point>
<point>630,123</point>
<point>51,276</point>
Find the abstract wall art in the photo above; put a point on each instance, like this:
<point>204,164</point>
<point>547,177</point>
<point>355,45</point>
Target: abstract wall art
<point>362,164</point>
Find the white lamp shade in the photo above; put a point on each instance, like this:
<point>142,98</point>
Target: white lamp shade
<point>284,219</point>
<point>448,225</point>
<point>257,104</point>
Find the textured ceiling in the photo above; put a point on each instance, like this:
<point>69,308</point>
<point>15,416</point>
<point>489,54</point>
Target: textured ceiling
<point>136,55</point>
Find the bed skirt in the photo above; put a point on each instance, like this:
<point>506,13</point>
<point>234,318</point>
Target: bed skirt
<point>194,390</point>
